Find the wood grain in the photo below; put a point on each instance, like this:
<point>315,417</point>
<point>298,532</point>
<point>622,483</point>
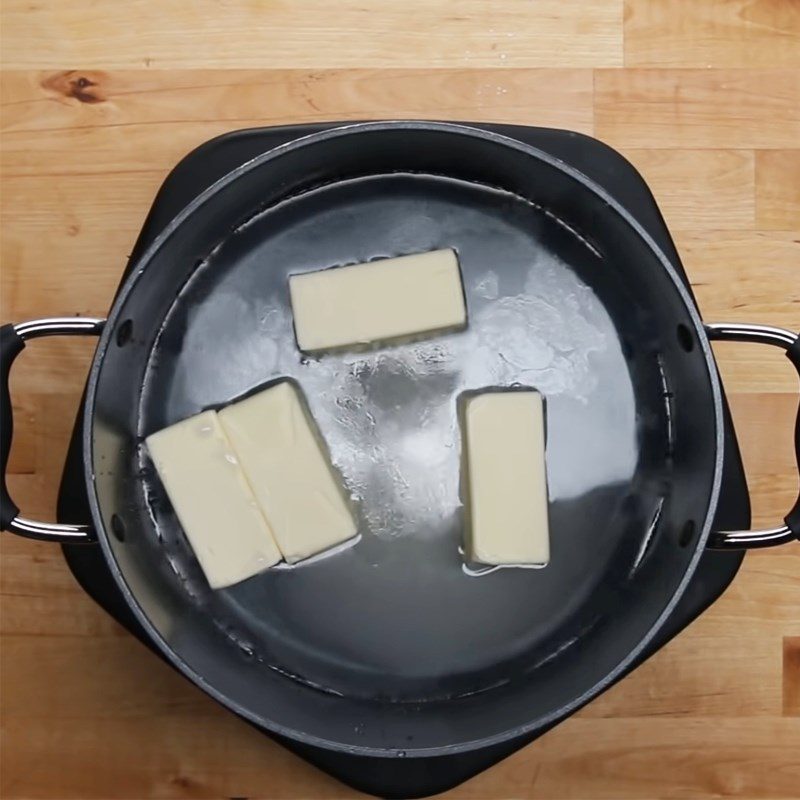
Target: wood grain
<point>777,189</point>
<point>313,34</point>
<point>747,276</point>
<point>764,423</point>
<point>147,120</point>
<point>734,33</point>
<point>700,189</point>
<point>791,676</point>
<point>665,108</point>
<point>100,99</point>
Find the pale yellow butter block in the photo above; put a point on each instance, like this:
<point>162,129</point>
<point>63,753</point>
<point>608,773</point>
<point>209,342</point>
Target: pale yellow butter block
<point>282,455</point>
<point>378,301</point>
<point>506,482</point>
<point>213,500</point>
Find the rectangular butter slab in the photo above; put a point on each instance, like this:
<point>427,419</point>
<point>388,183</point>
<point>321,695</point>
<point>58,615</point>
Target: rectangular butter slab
<point>282,455</point>
<point>377,301</point>
<point>212,499</point>
<point>506,482</point>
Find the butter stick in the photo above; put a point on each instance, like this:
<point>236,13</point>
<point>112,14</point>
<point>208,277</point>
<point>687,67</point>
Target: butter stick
<point>506,484</point>
<point>377,301</point>
<point>212,499</point>
<point>284,460</point>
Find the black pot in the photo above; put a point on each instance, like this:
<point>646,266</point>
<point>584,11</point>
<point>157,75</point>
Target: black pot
<point>408,657</point>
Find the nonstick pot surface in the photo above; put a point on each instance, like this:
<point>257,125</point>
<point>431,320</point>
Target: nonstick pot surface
<point>393,634</point>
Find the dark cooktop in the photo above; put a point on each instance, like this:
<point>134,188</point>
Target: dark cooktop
<point>421,776</point>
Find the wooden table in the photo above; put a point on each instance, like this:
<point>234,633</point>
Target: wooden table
<point>100,98</point>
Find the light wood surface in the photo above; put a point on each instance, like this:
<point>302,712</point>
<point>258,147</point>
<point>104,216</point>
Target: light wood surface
<point>100,99</point>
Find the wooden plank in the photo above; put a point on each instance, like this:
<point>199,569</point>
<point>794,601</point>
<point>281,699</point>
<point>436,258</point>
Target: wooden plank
<point>691,679</point>
<point>762,598</point>
<point>791,676</point>
<point>666,108</point>
<point>746,276</point>
<point>128,681</point>
<point>753,760</point>
<point>50,420</point>
<point>310,34</point>
<point>778,190</point>
<point>149,120</point>
<point>34,100</point>
<point>583,758</point>
<point>65,243</point>
<point>707,33</point>
<point>147,758</point>
<point>764,424</point>
<point>58,367</point>
<point>753,368</point>
<point>27,439</point>
<point>700,189</point>
<point>743,275</point>
<point>42,600</point>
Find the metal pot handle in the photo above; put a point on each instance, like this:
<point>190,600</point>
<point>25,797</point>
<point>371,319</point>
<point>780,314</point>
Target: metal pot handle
<point>790,342</point>
<point>12,343</point>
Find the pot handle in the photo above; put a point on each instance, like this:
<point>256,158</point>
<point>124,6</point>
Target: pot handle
<point>12,343</point>
<point>790,342</point>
